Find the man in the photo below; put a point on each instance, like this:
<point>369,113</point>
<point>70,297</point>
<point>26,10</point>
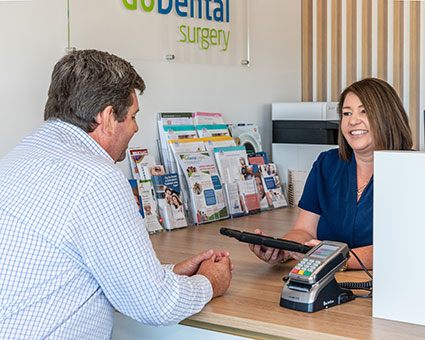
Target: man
<point>72,243</point>
<point>261,192</point>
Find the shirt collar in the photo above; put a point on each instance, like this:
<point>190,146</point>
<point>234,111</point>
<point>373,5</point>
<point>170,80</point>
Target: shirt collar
<point>81,135</point>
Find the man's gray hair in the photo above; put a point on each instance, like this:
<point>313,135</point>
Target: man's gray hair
<point>85,82</point>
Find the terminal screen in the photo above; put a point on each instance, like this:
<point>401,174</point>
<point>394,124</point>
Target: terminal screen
<point>324,251</point>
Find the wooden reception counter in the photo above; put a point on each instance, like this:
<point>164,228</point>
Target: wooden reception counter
<point>250,307</point>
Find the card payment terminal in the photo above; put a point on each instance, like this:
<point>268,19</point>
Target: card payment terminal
<point>311,285</point>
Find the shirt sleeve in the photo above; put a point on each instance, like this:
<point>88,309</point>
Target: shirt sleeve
<point>310,198</point>
<point>108,232</point>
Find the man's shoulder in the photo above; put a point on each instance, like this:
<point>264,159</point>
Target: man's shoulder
<point>69,149</point>
<point>93,164</point>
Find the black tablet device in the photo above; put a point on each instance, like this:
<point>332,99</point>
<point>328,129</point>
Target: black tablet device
<point>267,241</point>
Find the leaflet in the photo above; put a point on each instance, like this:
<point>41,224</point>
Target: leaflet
<point>249,196</point>
<point>212,130</point>
<point>272,187</point>
<point>170,119</point>
<point>236,207</point>
<point>150,207</point>
<point>232,163</point>
<point>176,118</point>
<point>264,203</point>
<point>218,142</point>
<point>200,144</point>
<point>258,158</point>
<point>177,132</point>
<point>136,157</point>
<point>173,132</point>
<point>168,195</point>
<point>205,118</point>
<point>205,188</point>
<point>137,198</point>
<point>187,145</point>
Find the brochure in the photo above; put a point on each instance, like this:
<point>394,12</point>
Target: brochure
<point>217,142</point>
<point>264,203</point>
<point>135,189</point>
<point>212,130</point>
<point>177,132</point>
<point>176,118</point>
<point>272,187</point>
<point>205,118</point>
<point>232,163</point>
<point>149,206</point>
<point>173,132</point>
<point>183,145</point>
<point>138,158</point>
<point>234,200</point>
<point>187,145</point>
<point>200,144</point>
<point>168,195</point>
<point>258,158</point>
<point>170,119</point>
<point>249,196</point>
<point>205,188</point>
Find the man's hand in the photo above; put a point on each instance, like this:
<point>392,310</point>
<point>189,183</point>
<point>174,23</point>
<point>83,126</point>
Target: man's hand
<point>218,270</point>
<point>191,265</point>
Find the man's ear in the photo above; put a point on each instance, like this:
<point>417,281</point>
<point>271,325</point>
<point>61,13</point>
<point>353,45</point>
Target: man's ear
<point>106,120</point>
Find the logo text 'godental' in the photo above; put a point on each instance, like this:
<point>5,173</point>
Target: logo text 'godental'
<point>210,10</point>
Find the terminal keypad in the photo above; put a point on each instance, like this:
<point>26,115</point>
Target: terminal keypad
<point>306,266</point>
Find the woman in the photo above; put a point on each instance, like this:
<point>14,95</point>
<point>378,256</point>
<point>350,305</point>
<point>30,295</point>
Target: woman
<point>337,202</point>
<point>177,207</point>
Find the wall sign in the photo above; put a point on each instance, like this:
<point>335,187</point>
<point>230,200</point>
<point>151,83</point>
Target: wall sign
<point>195,31</point>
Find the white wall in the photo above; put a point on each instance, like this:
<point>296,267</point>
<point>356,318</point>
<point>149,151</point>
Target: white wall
<point>33,37</point>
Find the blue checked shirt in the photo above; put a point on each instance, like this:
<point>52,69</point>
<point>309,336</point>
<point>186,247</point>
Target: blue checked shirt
<point>73,245</point>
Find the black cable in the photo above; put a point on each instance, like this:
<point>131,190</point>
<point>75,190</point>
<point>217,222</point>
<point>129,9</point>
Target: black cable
<point>357,285</point>
<point>361,264</point>
<point>367,285</point>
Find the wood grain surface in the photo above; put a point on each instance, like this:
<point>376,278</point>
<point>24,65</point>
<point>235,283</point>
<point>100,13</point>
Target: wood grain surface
<point>251,305</point>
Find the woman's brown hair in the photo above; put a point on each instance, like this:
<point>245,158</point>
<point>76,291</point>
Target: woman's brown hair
<point>387,118</point>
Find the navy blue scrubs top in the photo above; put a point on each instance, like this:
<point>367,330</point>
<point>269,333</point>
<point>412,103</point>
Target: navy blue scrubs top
<point>331,192</point>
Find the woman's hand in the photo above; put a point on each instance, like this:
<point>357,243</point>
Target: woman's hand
<point>312,243</point>
<point>267,254</point>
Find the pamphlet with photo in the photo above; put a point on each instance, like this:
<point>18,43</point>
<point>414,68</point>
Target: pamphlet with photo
<point>205,187</point>
<point>150,207</point>
<point>232,163</point>
<point>272,187</point>
<point>137,198</point>
<point>139,158</point>
<point>168,194</point>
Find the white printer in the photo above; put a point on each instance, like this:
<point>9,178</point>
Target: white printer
<point>301,131</point>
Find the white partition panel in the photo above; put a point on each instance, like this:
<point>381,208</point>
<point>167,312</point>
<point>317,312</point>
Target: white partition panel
<point>399,231</point>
